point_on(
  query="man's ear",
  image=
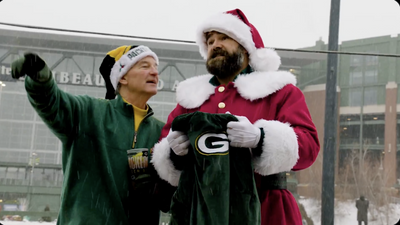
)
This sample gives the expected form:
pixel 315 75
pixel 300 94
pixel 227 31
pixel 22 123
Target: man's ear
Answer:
pixel 123 80
pixel 245 51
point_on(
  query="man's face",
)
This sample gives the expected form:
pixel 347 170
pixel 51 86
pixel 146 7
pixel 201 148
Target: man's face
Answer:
pixel 225 55
pixel 142 78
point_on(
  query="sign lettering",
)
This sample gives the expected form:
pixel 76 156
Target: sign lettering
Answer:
pixel 79 79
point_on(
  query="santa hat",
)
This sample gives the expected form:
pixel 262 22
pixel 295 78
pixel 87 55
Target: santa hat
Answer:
pixel 235 25
pixel 119 61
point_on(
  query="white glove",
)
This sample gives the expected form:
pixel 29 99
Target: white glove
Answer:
pixel 243 133
pixel 178 142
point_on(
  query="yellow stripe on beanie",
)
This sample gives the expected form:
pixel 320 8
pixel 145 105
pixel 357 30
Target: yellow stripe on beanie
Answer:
pixel 119 52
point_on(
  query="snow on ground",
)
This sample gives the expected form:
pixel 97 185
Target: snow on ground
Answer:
pixel 346 213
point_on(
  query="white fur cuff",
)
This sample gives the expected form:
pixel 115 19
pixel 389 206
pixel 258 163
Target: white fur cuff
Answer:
pixel 280 150
pixel 163 164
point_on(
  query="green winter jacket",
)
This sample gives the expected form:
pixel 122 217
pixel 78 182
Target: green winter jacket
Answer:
pixel 95 135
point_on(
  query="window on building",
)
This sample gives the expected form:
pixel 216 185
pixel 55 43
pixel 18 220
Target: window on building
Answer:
pixel 355 78
pixel 349 134
pixel 12 173
pixel 10 58
pixel 48 158
pixel 363 70
pixel 371 140
pixel 15 107
pixel 45 139
pixel 370 96
pixel 21 173
pixel 85 63
pixel 356 60
pixel 3 52
pixel 2 172
pixel 355 96
pixel 371 60
pixel 371 76
pixel 374 130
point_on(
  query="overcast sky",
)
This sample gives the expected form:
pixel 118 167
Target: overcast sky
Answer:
pixel 281 23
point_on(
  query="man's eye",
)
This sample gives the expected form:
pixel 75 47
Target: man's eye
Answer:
pixel 210 42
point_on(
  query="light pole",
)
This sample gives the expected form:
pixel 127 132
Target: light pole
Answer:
pixel 33 160
pixel 330 126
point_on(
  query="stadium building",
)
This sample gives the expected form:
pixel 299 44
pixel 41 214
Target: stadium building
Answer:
pixel 30 155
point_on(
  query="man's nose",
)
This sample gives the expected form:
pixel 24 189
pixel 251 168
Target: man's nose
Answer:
pixel 216 44
pixel 154 70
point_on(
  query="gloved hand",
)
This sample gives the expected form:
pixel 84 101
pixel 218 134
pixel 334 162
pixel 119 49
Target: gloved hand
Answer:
pixel 178 142
pixel 31 65
pixel 243 133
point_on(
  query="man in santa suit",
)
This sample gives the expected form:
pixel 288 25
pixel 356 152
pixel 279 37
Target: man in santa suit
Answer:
pixel 273 118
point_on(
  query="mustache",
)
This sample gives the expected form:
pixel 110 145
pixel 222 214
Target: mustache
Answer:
pixel 218 52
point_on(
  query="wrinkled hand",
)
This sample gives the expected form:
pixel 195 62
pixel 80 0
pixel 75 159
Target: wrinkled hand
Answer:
pixel 178 142
pixel 31 65
pixel 243 133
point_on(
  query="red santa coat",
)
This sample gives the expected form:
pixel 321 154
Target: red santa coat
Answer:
pixel 270 100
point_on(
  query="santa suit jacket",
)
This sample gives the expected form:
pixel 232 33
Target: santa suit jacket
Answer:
pixel 271 101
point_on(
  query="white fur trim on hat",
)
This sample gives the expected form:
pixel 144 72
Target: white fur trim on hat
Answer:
pixel 125 63
pixel 262 59
pixel 280 149
pixel 228 24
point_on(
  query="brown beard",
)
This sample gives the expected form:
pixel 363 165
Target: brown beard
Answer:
pixel 227 65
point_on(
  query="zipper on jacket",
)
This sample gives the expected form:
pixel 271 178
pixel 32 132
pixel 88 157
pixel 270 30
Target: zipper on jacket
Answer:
pixel 136 132
pixel 134 138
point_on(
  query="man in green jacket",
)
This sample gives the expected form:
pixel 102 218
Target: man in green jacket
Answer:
pixel 99 187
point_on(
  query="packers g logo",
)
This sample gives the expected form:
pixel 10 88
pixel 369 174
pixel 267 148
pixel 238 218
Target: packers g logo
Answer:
pixel 212 144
